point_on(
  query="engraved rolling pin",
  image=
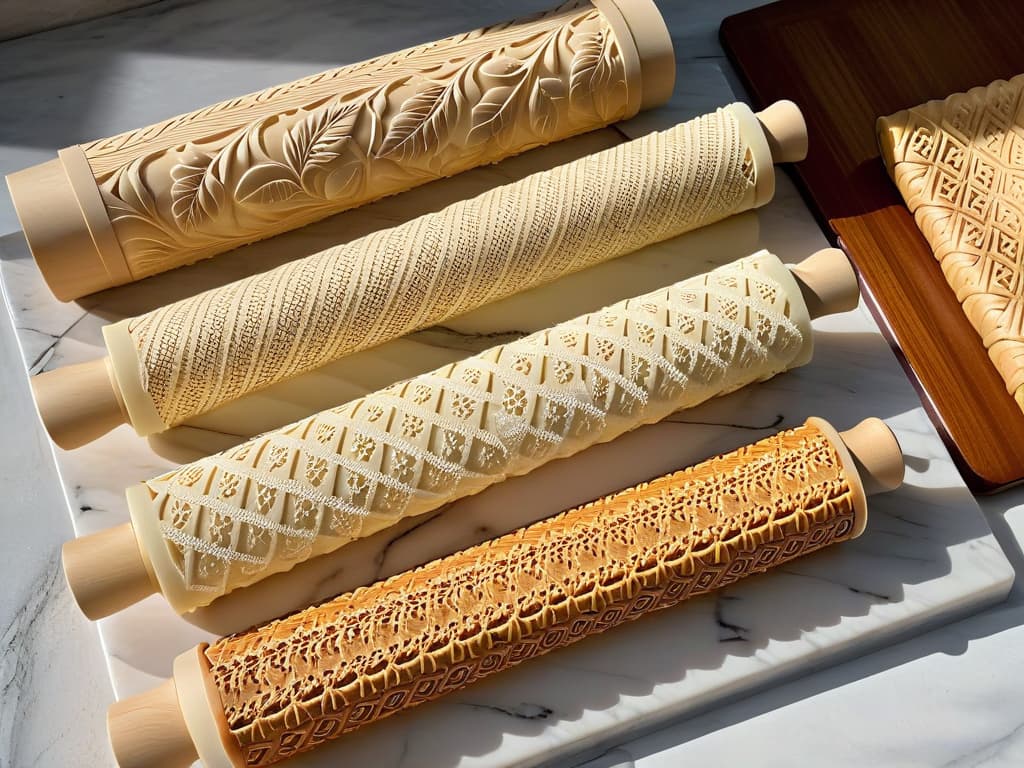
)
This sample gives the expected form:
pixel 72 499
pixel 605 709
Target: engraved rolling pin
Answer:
pixel 120 209
pixel 187 358
pixel 231 519
pixel 260 696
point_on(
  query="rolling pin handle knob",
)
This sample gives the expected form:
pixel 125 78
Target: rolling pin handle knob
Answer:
pixel 828 282
pixel 79 403
pixel 786 131
pixel 876 454
pixel 149 730
pixel 107 571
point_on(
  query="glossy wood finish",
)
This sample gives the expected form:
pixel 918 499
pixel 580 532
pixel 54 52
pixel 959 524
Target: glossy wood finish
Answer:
pixel 845 64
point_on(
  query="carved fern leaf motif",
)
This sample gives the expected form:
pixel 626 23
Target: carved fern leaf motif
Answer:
pixel 319 150
pixel 544 95
pixel 424 122
pixel 196 192
pixel 320 160
pixel 591 73
pixel 134 214
pixel 496 108
pixel 267 184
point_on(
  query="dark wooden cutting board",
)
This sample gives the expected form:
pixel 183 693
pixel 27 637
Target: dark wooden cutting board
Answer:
pixel 847 62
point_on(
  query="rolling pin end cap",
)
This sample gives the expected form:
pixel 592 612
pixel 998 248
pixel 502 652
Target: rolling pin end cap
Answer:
pixel 79 403
pixel 877 455
pixel 646 27
pixel 786 131
pixel 149 731
pixel 106 571
pixel 56 230
pixel 828 282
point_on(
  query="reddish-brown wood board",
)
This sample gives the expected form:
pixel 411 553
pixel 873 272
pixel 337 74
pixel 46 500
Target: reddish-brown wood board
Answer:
pixel 845 63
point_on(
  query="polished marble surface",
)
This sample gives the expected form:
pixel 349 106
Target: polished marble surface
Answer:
pixel 927 556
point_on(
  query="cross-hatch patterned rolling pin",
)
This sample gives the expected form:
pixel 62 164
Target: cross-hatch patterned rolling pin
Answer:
pixel 199 184
pixel 189 357
pixel 234 518
pixel 263 695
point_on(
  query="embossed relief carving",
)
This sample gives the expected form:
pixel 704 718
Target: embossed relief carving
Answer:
pixel 288 495
pixel 204 351
pixel 493 94
pixel 320 673
pixel 959 164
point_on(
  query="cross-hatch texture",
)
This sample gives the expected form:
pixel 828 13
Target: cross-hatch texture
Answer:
pixel 207 350
pixel 320 673
pixel 246 169
pixel 238 516
pixel 959 164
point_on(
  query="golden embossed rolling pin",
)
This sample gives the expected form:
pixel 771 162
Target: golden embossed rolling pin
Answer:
pixel 259 697
pixel 120 209
pixel 189 357
pixel 231 519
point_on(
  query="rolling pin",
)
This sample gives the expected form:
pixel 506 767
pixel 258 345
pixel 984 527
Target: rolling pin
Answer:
pixel 189 357
pixel 236 517
pixel 120 209
pixel 261 696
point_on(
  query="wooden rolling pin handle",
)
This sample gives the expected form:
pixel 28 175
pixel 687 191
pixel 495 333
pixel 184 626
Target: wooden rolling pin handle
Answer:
pixel 149 731
pixel 79 403
pixel 876 454
pixel 786 131
pixel 107 571
pixel 827 282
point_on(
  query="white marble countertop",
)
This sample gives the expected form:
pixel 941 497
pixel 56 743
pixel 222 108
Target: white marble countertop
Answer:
pixel 951 696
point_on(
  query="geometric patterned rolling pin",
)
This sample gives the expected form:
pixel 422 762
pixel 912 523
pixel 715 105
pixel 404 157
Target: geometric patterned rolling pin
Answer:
pixel 234 518
pixel 263 695
pixel 189 357
pixel 119 209
pixel 959 164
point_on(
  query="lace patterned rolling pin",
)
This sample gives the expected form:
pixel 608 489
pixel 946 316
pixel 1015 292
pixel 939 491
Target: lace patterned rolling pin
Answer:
pixel 120 209
pixel 259 697
pixel 191 356
pixel 236 517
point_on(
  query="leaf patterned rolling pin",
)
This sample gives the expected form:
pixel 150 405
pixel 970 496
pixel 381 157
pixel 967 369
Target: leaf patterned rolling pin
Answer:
pixel 189 357
pixel 260 508
pixel 123 208
pixel 263 695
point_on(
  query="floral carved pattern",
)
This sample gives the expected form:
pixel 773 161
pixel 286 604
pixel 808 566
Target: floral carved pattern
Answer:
pixel 548 78
pixel 326 671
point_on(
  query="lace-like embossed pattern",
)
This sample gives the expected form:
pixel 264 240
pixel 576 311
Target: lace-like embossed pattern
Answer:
pixel 249 168
pixel 317 674
pixel 207 350
pixel 233 518
pixel 959 165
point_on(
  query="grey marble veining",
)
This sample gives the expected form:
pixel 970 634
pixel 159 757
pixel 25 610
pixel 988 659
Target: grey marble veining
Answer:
pixel 53 683
pixel 927 556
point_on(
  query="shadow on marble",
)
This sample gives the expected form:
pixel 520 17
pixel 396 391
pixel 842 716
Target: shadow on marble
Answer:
pixel 195 54
pixel 953 640
pixel 1004 513
pixel 168 48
